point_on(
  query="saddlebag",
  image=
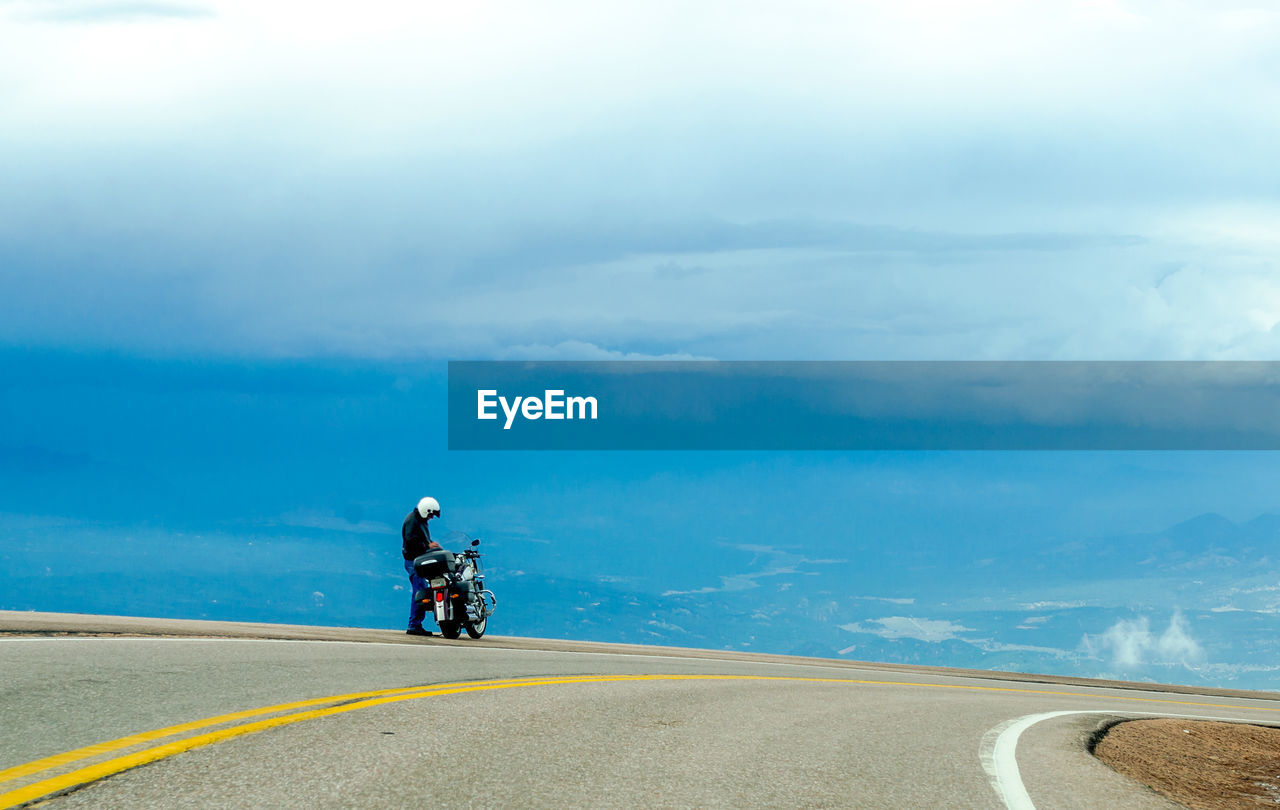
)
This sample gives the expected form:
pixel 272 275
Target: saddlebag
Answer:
pixel 434 564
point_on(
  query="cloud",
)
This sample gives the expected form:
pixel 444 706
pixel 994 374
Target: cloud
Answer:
pixel 107 11
pixel 666 626
pixel 581 350
pixel 934 631
pixel 450 183
pixel 990 645
pixel 133 281
pixel 778 563
pixel 1131 643
pixel 733 582
pixel 898 627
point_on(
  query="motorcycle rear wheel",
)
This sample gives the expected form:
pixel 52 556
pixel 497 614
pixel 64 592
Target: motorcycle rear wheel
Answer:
pixel 450 629
pixel 476 629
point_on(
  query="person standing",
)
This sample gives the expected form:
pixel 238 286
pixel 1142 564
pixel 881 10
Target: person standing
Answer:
pixel 417 541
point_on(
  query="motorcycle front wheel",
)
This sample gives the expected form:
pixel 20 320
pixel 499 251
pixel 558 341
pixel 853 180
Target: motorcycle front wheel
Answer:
pixel 450 629
pixel 476 629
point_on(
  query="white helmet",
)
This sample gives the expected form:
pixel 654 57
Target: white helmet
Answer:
pixel 428 507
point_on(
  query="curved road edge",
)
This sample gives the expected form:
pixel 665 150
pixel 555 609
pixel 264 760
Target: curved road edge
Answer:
pixel 20 623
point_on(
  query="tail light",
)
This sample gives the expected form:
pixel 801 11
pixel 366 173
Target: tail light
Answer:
pixel 439 596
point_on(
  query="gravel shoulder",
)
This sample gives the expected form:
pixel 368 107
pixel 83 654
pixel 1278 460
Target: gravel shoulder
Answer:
pixel 1203 765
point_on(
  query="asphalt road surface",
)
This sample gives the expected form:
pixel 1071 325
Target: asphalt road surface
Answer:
pixel 188 719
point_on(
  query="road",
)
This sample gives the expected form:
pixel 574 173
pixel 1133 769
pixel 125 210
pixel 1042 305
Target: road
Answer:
pixel 518 723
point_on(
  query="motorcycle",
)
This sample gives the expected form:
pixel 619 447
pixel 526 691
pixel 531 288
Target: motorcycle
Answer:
pixel 455 591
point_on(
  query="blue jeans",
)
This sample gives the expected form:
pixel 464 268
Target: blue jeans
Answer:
pixel 417 610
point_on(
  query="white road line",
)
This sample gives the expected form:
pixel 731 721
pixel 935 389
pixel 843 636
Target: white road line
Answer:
pixel 999 758
pixel 998 750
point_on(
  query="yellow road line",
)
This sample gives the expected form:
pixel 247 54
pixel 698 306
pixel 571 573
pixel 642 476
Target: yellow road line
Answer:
pixel 68 757
pixel 97 771
pixel 363 700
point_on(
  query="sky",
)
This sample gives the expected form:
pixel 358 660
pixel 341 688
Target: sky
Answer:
pixel 936 180
pixel 239 241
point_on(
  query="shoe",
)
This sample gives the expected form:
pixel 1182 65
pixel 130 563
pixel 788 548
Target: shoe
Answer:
pixel 418 631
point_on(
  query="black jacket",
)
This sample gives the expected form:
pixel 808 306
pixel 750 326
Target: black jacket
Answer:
pixel 416 536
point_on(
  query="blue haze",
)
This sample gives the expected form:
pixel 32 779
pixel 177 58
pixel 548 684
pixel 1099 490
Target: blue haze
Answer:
pixel 273 491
